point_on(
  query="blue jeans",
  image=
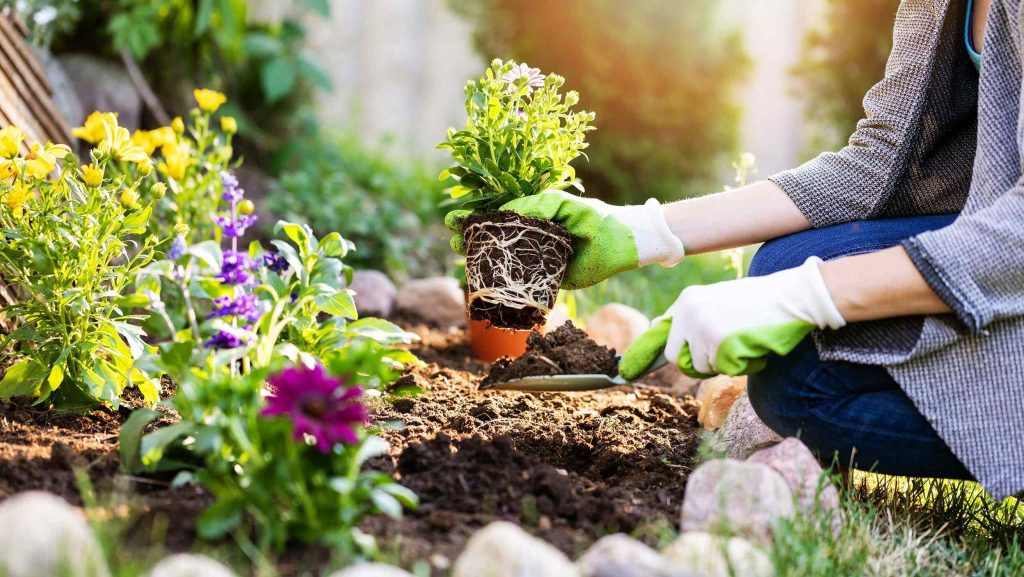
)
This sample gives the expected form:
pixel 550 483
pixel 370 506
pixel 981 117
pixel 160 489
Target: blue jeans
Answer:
pixel 855 413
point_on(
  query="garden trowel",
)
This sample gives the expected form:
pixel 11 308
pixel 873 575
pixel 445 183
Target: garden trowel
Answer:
pixel 560 383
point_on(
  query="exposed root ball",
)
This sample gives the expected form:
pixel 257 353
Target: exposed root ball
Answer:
pixel 514 266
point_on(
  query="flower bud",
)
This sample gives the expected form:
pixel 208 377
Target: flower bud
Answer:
pixel 246 207
pixel 158 190
pixel 228 124
pixel 181 229
pixel 145 167
pixel 130 198
pixel 178 125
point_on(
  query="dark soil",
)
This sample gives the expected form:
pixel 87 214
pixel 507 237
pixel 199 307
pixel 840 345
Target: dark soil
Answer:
pixel 566 351
pixel 537 255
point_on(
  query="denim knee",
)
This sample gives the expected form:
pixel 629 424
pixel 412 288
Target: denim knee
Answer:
pixel 775 400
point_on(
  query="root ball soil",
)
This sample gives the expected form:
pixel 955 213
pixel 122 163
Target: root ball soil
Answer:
pixel 514 266
pixel 565 351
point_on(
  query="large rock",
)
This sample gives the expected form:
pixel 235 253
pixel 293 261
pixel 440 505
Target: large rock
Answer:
pixel 502 549
pixel 105 86
pixel 715 556
pixel 743 498
pixel 743 432
pixel 41 535
pixel 716 396
pixel 621 556
pixel 375 293
pixel 616 326
pixel 814 492
pixel 371 570
pixel 437 300
pixel 189 565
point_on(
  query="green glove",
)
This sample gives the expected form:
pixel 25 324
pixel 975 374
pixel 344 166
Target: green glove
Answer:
pixel 609 239
pixel 731 327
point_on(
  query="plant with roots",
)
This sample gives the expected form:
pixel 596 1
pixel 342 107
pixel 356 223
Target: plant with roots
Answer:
pixel 520 138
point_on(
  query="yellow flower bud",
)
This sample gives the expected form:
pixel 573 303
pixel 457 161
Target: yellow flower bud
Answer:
pixel 92 175
pixel 130 198
pixel 178 125
pixel 158 190
pixel 145 167
pixel 228 124
pixel 10 141
pixel 209 100
pixel 181 229
pixel 246 207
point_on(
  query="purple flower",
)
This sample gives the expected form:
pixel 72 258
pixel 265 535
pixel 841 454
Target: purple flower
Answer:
pixel 178 248
pixel 235 227
pixel 246 305
pixel 232 193
pixel 223 340
pixel 236 268
pixel 318 405
pixel 275 262
pixel 534 79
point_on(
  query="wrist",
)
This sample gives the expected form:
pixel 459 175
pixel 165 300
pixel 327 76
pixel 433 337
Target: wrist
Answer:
pixel 812 293
pixel 655 242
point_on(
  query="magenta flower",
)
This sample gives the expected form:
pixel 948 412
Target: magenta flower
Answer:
pixel 319 406
pixel 534 79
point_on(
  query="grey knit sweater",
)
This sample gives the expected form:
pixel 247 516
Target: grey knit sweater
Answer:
pixel 937 139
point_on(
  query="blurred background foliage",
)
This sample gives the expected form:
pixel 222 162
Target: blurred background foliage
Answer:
pixel 663 87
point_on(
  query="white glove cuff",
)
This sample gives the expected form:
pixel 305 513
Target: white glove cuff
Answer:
pixel 654 240
pixel 818 302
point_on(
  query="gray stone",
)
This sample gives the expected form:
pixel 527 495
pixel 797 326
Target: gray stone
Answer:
pixel 738 497
pixel 104 85
pixel 805 478
pixel 375 293
pixel 502 549
pixel 743 432
pixel 65 98
pixel 715 556
pixel 189 565
pixel 616 326
pixel 41 535
pixel 621 556
pixel 371 570
pixel 437 300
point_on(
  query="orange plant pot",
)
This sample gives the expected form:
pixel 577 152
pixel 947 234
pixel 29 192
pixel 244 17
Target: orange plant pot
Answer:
pixel 490 343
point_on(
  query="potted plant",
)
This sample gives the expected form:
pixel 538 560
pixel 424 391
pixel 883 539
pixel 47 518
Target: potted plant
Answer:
pixel 520 138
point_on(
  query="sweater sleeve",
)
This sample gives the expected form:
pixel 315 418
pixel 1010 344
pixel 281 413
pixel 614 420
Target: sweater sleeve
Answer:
pixel 847 185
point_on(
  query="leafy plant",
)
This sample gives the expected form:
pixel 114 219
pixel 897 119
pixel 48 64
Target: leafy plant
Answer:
pixel 74 239
pixel 520 137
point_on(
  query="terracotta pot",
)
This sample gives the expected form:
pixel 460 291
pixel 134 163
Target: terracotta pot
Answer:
pixel 490 343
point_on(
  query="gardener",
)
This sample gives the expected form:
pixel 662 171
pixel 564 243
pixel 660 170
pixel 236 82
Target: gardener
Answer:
pixel 902 253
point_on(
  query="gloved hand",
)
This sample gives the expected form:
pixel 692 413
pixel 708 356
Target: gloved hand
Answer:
pixel 609 239
pixel 730 327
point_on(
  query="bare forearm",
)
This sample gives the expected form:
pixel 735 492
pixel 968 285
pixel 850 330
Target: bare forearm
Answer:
pixel 879 285
pixel 739 217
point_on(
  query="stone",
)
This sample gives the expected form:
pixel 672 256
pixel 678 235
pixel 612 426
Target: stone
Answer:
pixel 743 431
pixel 558 316
pixel 375 293
pixel 616 326
pixel 806 479
pixel 41 534
pixel 437 300
pixel 736 496
pixel 502 549
pixel 189 565
pixel 716 556
pixel 716 396
pixel 619 555
pixel 371 570
pixel 104 85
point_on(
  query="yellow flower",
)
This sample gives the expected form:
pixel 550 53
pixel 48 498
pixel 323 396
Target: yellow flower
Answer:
pixel 176 161
pixel 161 136
pixel 8 169
pixel 41 160
pixel 209 100
pixel 178 125
pixel 16 198
pixel 143 140
pixel 130 198
pixel 92 131
pixel 10 141
pixel 158 190
pixel 228 124
pixel 92 175
pixel 117 142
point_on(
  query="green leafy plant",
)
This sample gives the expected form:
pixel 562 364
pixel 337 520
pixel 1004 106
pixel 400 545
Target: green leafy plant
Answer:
pixel 74 239
pixel 520 137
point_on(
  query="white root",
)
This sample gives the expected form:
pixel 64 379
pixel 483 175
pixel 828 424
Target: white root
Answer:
pixel 500 248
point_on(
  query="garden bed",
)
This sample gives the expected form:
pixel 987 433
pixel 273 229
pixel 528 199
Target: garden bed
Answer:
pixel 568 467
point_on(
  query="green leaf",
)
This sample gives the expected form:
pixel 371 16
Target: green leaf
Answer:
pixel 277 78
pixel 458 191
pixel 56 377
pixel 371 447
pixel 404 495
pixel 321 7
pixel 334 245
pixel 208 252
pixel 203 17
pixel 386 503
pixel 129 443
pixel 219 519
pixel 339 304
pixel 154 445
pixel 312 72
pixel 22 379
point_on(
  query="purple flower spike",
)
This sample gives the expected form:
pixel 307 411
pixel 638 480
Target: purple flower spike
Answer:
pixel 318 405
pixel 235 227
pixel 223 340
pixel 235 268
pixel 246 306
pixel 232 192
pixel 178 248
pixel 275 262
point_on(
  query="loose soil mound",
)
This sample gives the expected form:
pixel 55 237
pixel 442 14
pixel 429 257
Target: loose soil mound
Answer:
pixel 565 351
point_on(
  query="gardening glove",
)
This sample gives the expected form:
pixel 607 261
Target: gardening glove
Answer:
pixel 609 239
pixel 730 327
